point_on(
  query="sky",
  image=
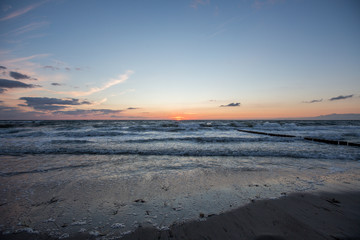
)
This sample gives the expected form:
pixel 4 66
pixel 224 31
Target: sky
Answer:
pixel 180 60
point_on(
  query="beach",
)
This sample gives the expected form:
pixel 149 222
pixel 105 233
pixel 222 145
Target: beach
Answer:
pixel 298 216
pixel 178 180
pixel 99 214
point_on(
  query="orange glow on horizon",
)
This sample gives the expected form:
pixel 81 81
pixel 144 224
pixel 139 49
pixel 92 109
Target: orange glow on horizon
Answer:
pixel 178 118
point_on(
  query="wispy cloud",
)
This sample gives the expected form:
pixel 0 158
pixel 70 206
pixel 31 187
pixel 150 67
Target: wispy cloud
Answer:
pixel 341 97
pixel 17 60
pixel 231 105
pixel 27 28
pixel 53 68
pixel 21 11
pixel 196 3
pixel 314 101
pixel 114 81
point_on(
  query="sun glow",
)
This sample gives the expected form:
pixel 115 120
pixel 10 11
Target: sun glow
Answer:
pixel 178 118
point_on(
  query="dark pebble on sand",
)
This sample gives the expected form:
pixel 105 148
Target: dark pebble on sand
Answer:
pixel 201 215
pixel 140 200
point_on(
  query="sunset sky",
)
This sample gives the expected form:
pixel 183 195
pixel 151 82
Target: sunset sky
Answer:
pixel 185 59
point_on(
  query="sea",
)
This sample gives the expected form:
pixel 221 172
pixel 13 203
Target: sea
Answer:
pixel 179 138
pixel 109 177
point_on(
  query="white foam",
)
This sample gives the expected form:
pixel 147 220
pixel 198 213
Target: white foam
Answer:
pixel 118 225
pixel 65 235
pixel 95 233
pixel 78 223
pixel 27 230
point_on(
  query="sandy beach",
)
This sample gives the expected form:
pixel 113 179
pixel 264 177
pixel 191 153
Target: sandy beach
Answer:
pixel 276 204
pixel 297 216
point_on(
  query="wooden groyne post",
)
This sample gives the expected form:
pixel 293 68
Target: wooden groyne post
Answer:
pixel 305 138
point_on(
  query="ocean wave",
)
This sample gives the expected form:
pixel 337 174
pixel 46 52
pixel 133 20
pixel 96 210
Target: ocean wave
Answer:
pixel 210 140
pixel 69 141
pixel 90 133
pixel 188 152
pixel 29 134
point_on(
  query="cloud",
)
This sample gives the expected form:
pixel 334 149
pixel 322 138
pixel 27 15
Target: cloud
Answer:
pixel 231 105
pixel 12 113
pixel 121 78
pixel 196 3
pixel 18 75
pixel 313 101
pixel 88 112
pixel 21 11
pixel 132 108
pixel 50 67
pixel 341 97
pixel 27 28
pixel 4 83
pixel 2 90
pixel 55 84
pixel 51 104
pixel 2 67
pixel 16 60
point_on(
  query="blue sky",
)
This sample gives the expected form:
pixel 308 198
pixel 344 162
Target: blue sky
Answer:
pixel 179 59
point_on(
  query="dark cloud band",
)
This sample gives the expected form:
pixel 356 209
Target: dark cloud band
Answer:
pixel 17 75
pixel 4 83
pixel 231 105
pixel 51 104
pixel 341 97
pixel 87 112
pixel 314 101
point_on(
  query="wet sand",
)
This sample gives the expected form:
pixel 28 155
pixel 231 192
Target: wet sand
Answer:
pixel 323 215
pixel 298 216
